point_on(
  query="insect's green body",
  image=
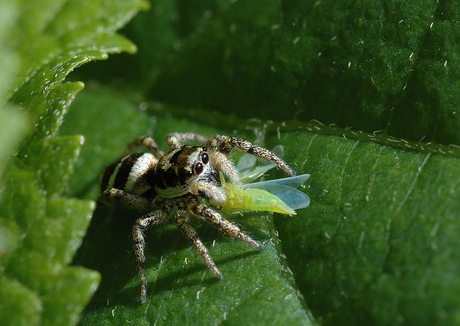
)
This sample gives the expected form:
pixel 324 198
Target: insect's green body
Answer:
pixel 242 199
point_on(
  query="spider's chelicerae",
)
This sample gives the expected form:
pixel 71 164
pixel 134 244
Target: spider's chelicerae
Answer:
pixel 158 182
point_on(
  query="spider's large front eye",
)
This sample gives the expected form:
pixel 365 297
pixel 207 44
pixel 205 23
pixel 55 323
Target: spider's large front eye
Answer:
pixel 198 168
pixel 205 158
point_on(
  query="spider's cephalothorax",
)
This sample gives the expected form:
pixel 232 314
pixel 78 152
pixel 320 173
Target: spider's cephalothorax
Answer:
pixel 158 182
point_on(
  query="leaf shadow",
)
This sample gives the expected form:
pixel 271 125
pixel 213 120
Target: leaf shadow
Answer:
pixel 107 248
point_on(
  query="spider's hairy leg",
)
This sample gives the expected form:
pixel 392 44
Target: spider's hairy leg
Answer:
pixel 120 197
pixel 147 142
pixel 190 233
pixel 223 146
pixel 152 218
pixel 174 139
pixel 215 218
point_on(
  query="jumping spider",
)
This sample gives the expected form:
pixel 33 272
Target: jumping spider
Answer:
pixel 158 182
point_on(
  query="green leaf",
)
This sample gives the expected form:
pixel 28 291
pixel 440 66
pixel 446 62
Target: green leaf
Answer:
pixel 378 244
pixel 41 43
pixel 377 240
pixel 181 288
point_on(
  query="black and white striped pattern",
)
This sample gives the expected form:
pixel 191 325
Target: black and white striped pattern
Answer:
pixel 134 174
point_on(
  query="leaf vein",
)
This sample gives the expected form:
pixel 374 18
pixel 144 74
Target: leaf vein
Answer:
pixel 409 191
pixel 344 167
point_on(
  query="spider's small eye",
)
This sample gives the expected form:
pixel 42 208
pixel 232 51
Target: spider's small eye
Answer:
pixel 205 158
pixel 198 168
pixel 170 178
pixel 185 174
pixel 170 174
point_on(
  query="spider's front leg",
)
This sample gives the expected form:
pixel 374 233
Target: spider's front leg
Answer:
pixel 147 142
pixel 190 233
pixel 215 218
pixel 221 146
pixel 152 218
pixel 174 139
pixel 120 197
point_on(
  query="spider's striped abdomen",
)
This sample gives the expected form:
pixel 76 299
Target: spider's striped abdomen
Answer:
pixel 134 174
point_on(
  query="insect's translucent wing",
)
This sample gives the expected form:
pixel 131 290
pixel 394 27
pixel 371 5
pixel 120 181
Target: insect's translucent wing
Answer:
pixel 294 181
pixel 292 197
pixel 255 173
pixel 285 189
pixel 247 161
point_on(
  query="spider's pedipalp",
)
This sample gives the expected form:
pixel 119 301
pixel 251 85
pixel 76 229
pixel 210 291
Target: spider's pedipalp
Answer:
pixel 222 162
pixel 215 194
